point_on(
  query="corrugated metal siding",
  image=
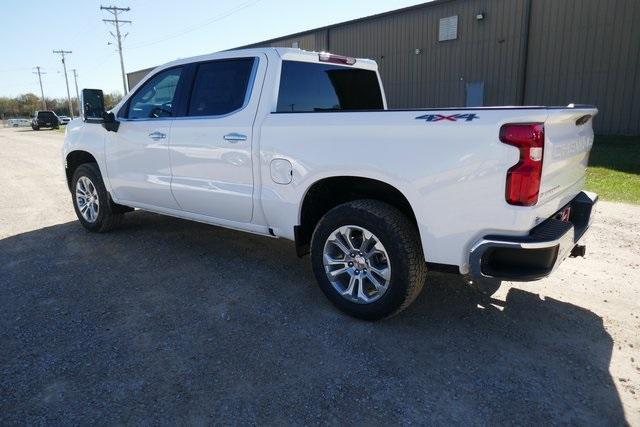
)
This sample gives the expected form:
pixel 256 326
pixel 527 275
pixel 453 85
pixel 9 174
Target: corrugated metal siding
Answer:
pixel 489 50
pixel 583 51
pixel 588 52
pixel 314 40
pixel 136 76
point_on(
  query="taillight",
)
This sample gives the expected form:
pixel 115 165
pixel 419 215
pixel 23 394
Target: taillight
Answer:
pixel 523 179
pixel 336 59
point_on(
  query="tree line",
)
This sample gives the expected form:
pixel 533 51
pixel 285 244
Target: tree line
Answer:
pixel 23 106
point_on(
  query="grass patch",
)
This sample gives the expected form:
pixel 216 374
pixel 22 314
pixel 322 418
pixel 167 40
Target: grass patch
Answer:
pixel 614 168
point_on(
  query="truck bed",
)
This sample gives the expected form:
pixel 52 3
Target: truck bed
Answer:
pixel 449 163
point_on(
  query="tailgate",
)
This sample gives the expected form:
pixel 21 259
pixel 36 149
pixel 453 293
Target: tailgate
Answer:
pixel 568 141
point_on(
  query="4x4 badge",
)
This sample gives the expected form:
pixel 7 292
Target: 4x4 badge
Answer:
pixel 451 118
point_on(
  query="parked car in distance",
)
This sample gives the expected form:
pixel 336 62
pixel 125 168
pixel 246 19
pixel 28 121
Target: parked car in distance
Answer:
pixel 300 145
pixel 45 119
pixel 18 122
pixel 64 119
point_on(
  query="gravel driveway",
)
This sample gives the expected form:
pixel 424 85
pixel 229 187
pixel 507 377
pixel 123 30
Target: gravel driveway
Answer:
pixel 164 321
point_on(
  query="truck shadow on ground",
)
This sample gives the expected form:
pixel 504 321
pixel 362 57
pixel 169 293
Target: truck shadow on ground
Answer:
pixel 170 321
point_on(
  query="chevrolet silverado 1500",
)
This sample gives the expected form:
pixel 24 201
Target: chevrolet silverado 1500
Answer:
pixel 300 145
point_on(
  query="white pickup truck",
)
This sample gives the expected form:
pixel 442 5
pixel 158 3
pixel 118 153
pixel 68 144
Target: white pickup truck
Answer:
pixel 300 145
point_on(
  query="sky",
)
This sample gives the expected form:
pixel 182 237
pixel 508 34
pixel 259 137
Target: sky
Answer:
pixel 162 30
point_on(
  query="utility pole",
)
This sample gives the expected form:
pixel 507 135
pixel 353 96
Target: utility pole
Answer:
pixel 62 52
pixel 75 78
pixel 114 10
pixel 39 73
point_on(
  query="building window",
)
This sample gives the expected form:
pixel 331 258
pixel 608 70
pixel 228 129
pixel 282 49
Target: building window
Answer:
pixel 295 45
pixel 448 29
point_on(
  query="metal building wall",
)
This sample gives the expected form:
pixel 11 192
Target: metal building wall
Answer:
pixel 535 52
pixel 489 50
pixel 314 40
pixel 134 77
pixel 587 51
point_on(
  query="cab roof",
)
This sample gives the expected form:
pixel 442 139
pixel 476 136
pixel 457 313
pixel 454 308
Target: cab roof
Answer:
pixel 285 54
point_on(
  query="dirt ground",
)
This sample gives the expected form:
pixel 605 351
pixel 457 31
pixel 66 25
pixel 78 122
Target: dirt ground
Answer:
pixel 167 321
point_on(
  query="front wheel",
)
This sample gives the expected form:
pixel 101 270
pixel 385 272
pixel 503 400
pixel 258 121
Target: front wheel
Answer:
pixel 92 204
pixel 367 259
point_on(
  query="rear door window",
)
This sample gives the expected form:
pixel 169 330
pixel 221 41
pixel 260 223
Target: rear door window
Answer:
pixel 313 87
pixel 220 87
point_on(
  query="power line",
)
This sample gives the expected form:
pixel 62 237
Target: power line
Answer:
pixel 90 25
pixel 196 27
pixel 8 70
pixel 62 52
pixel 39 72
pixel 114 10
pixel 101 63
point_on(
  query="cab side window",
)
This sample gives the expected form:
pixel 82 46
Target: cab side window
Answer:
pixel 156 98
pixel 220 87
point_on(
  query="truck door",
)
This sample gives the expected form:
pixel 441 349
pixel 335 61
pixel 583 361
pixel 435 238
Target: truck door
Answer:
pixel 210 147
pixel 138 153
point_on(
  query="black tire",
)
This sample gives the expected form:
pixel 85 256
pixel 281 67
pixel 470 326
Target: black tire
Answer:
pixel 35 128
pixel 108 215
pixel 400 239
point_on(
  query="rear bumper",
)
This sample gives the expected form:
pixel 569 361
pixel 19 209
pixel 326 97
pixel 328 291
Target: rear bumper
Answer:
pixel 532 257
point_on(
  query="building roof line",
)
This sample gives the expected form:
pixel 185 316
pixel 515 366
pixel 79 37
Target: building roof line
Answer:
pixel 352 21
pixel 428 4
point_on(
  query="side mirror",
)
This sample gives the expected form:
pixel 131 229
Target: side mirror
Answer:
pixel 93 110
pixel 92 105
pixel 109 122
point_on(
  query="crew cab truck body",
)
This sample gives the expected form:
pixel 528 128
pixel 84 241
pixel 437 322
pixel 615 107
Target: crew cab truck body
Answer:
pixel 300 145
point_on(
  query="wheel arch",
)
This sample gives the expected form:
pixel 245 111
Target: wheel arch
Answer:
pixel 329 192
pixel 74 159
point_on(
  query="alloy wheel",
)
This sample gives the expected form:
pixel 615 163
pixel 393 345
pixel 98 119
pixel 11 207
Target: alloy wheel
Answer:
pixel 357 264
pixel 87 199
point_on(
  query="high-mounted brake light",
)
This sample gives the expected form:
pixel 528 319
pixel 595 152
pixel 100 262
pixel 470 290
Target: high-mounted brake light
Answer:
pixel 336 59
pixel 523 179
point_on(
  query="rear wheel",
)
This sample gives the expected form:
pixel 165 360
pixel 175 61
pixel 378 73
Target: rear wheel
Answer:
pixel 35 128
pixel 367 259
pixel 92 203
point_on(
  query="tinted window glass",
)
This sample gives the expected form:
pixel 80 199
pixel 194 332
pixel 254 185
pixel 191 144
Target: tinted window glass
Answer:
pixel 220 87
pixel 156 97
pixel 325 87
pixel 45 115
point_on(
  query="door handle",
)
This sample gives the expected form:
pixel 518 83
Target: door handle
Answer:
pixel 157 135
pixel 235 137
